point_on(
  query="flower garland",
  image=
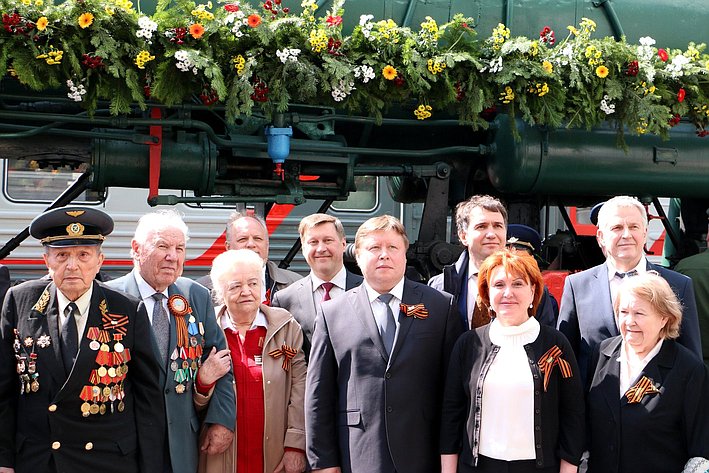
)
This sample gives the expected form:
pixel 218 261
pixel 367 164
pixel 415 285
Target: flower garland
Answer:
pixel 242 56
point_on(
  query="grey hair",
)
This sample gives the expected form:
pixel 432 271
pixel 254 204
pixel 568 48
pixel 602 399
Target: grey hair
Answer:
pixel 157 221
pixel 238 216
pixel 226 261
pixel 607 209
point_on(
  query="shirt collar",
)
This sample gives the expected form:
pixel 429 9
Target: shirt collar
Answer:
pixel 396 291
pixel 623 357
pixel 226 323
pixel 339 280
pixel 641 268
pixel 146 290
pixel 472 269
pixel 82 303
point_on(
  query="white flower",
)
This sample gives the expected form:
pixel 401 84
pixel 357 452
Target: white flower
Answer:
pixel 146 23
pixel 494 66
pixel 181 55
pixel 607 108
pixel 282 55
pixel 238 33
pixel 364 19
pixel 366 73
pixel 76 92
pixel 647 41
pixel 239 15
pixel 677 64
pixel 287 54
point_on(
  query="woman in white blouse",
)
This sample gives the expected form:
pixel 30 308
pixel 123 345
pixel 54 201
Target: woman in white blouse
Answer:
pixel 513 400
pixel 648 404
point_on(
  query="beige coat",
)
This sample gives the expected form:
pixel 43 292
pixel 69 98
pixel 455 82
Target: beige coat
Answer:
pixel 284 393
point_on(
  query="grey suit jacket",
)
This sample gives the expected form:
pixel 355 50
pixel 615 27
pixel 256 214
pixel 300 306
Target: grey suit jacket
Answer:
pixel 368 413
pixel 586 314
pixel 183 424
pixel 298 300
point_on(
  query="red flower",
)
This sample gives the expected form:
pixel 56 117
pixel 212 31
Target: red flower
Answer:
pixel 334 20
pixel 680 95
pixel 633 68
pixel 230 7
pixel 254 20
pixel 675 119
pixel 663 55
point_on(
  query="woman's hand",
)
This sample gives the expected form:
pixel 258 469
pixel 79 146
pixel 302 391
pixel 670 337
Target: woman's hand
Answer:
pixel 217 440
pixel 292 462
pixel 215 366
pixel 566 467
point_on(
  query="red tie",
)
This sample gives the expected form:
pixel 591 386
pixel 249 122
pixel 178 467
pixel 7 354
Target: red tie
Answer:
pixel 326 287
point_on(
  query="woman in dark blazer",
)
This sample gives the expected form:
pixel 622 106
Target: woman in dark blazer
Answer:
pixel 648 404
pixel 513 399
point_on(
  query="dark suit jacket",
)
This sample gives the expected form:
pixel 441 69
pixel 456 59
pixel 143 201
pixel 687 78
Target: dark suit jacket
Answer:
pixel 298 300
pixel 46 427
pixel 368 413
pixel 661 432
pixel 586 314
pixel 183 423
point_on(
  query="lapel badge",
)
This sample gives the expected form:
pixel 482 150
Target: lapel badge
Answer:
pixel 28 342
pixel 44 341
pixel 178 305
pixel 417 311
pixel 636 393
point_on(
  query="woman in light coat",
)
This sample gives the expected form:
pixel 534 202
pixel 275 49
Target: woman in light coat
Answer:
pixel 269 373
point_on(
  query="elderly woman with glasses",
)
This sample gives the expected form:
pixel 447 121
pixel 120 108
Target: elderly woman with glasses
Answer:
pixel 269 373
pixel 648 404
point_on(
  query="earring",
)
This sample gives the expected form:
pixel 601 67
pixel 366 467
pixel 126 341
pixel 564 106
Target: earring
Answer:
pixel 531 305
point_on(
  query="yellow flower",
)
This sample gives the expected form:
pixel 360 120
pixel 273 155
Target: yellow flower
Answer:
pixel 389 72
pixel 423 112
pixel 109 11
pixel 85 20
pixel 602 71
pixel 39 3
pixel 573 30
pixel 142 58
pixel 42 23
pixel 548 67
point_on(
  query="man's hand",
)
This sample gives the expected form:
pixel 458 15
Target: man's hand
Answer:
pixel 217 440
pixel 334 469
pixel 215 366
pixel 4 469
pixel 292 462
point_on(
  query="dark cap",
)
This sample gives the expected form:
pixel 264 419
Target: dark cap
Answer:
pixel 593 216
pixel 523 236
pixel 71 226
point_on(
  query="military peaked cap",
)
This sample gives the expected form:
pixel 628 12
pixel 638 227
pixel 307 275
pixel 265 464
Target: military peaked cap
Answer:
pixel 71 226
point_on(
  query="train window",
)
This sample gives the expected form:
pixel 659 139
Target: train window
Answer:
pixel 364 199
pixel 25 181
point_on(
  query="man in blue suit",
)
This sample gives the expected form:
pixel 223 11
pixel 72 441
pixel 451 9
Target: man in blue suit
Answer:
pixel 586 313
pixel 184 330
pixel 324 243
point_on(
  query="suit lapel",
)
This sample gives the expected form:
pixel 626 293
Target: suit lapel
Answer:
pixel 609 377
pixel 655 369
pixel 602 288
pixel 48 323
pixel 363 311
pixel 410 296
pixel 351 281
pixel 306 296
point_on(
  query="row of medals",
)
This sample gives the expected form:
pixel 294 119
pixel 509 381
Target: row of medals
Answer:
pixel 112 390
pixel 27 370
pixel 191 357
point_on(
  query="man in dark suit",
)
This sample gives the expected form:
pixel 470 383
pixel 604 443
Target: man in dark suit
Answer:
pixel 245 230
pixel 378 364
pixel 586 312
pixel 323 240
pixel 185 331
pixel 78 382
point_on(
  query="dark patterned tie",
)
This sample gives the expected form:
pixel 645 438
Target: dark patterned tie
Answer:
pixel 629 274
pixel 70 337
pixel 161 325
pixel 327 286
pixel 388 328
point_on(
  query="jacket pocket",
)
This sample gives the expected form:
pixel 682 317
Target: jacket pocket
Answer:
pixel 351 418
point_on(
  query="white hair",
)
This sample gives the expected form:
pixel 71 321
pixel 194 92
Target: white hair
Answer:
pixel 156 221
pixel 245 259
pixel 609 207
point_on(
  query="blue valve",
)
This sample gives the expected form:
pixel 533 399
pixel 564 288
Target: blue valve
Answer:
pixel 278 143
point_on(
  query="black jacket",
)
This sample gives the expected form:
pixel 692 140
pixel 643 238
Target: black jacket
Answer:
pixel 559 411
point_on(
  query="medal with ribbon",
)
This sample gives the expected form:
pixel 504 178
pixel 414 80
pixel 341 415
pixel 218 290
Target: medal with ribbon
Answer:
pixel 417 311
pixel 636 392
pixel 287 353
pixel 549 360
pixel 188 348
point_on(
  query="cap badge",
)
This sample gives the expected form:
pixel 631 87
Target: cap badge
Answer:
pixel 75 213
pixel 75 229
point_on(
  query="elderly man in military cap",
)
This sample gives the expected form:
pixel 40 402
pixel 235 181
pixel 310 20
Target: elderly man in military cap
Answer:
pixel 78 381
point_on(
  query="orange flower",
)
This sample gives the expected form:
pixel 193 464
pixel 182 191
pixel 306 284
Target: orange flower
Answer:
pixel 85 20
pixel 602 72
pixel 389 72
pixel 196 30
pixel 42 23
pixel 254 20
